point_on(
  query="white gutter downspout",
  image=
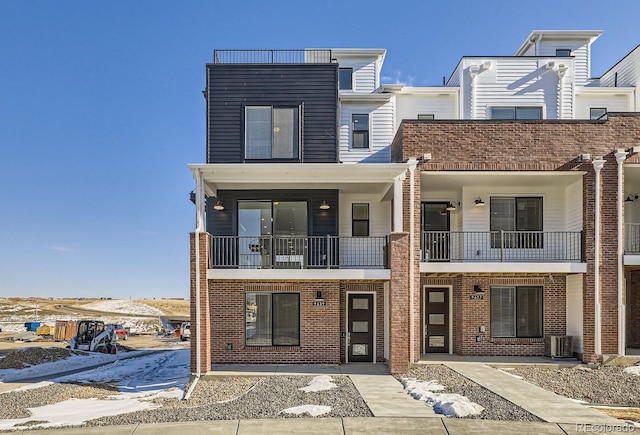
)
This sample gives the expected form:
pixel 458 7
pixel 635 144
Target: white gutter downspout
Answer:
pixel 412 243
pixel 621 156
pixel 598 163
pixel 199 230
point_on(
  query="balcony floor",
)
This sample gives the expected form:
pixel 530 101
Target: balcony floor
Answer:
pixel 299 274
pixel 498 267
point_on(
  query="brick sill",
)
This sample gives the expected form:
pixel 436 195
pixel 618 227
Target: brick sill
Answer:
pixel 272 348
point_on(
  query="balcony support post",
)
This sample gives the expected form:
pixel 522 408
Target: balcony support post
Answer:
pixel 621 156
pixel 598 163
pixel 412 245
pixel 397 202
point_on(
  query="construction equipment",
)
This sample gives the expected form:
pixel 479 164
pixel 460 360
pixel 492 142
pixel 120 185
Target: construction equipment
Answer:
pixel 94 336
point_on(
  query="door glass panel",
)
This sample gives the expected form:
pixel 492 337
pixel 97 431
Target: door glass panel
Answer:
pixel 360 349
pixel 436 319
pixel 436 341
pixel 433 218
pixel 254 227
pixel 290 233
pixel 285 133
pixel 436 297
pixel 360 304
pixel 360 326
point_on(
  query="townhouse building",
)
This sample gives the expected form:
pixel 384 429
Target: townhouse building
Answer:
pixel 342 220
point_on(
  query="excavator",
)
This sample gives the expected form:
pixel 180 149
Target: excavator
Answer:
pixel 94 336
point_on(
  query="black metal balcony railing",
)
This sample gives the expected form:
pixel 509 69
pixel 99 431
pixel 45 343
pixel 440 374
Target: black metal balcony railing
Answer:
pixel 632 239
pixel 502 246
pixel 298 252
pixel 272 56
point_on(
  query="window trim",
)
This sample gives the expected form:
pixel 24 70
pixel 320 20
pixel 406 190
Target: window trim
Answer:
pixel 353 131
pixel 515 288
pixel 515 113
pixel 297 147
pixel 367 220
pixel 340 88
pixel 599 118
pixel 271 294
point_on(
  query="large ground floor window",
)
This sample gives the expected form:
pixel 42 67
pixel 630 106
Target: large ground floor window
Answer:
pixel 516 312
pixel 272 319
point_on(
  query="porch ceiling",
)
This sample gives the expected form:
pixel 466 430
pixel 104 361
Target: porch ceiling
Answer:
pixel 454 180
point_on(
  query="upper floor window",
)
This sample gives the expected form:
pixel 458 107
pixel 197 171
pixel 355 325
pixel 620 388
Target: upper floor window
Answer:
pixel 345 78
pixel 426 116
pixel 360 131
pixel 516 113
pixel 272 132
pixel 360 219
pixel 598 113
pixel 563 52
pixel 516 222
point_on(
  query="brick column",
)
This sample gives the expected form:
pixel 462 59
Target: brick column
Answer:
pixel 399 303
pixel 203 333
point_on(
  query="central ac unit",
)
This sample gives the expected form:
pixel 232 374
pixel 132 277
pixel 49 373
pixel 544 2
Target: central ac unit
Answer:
pixel 558 346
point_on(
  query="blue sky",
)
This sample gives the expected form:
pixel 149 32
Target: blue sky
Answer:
pixel 101 110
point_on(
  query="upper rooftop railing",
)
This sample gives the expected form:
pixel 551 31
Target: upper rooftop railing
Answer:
pixel 272 56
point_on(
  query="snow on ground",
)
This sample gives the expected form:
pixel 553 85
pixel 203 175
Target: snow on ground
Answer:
pixel 140 380
pixel 319 383
pixel 313 410
pixel 124 306
pixel 443 403
pixel 634 370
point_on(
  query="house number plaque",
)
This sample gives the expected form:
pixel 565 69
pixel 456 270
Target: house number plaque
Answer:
pixel 319 303
pixel 476 297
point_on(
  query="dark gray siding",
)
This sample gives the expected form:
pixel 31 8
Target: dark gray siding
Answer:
pixel 321 222
pixel 230 87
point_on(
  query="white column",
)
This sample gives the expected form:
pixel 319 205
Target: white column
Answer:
pixel 398 202
pixel 598 163
pixel 621 156
pixel 412 244
pixel 200 205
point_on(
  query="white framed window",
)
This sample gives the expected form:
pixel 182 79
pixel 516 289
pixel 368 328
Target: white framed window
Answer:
pixel 345 79
pixel 360 219
pixel 598 113
pixel 516 112
pixel 426 117
pixel 360 131
pixel 272 132
pixel 516 312
pixel 272 319
pixel 563 52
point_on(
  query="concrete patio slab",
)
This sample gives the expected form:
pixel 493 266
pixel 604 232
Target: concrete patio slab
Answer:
pixel 386 397
pixel 493 427
pixel 218 427
pixel 311 426
pixel 393 425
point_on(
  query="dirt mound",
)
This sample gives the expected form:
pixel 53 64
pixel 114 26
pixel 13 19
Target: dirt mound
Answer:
pixel 29 356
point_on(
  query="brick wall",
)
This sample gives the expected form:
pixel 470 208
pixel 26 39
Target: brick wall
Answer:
pixel 202 334
pixel 399 303
pixel 633 307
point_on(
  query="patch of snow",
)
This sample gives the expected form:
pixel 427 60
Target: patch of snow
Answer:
pixel 634 370
pixel 312 410
pixel 319 383
pixel 124 306
pixel 32 386
pixel 443 403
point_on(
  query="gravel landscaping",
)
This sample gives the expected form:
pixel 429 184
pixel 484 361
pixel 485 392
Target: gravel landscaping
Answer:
pixel 495 407
pixel 606 385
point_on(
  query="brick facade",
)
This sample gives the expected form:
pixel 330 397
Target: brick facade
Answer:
pixel 203 332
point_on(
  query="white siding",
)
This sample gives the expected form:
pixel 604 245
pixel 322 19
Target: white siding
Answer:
pixel 612 102
pixel 574 310
pixel 573 207
pixel 379 214
pixel 365 76
pixel 579 51
pixel 628 70
pixel 381 132
pixel 408 106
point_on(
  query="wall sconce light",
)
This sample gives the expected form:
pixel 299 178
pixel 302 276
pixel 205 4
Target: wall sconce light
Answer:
pixel 219 206
pixel 192 196
pixel 324 205
pixel 319 294
pixel 631 197
pixel 453 205
pixel 477 288
pixel 479 202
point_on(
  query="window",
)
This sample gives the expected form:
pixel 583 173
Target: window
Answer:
pixel 360 131
pixel 345 78
pixel 360 220
pixel 272 132
pixel 272 319
pixel 516 312
pixel 563 52
pixel 516 113
pixel 598 113
pixel 426 116
pixel 516 222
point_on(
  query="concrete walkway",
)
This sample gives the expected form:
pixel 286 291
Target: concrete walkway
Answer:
pixel 540 402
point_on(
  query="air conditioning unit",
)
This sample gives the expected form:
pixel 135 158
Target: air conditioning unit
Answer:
pixel 558 346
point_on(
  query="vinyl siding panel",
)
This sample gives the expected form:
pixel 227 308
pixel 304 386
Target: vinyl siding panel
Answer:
pixel 381 132
pixel 231 87
pixel 364 74
pixel 613 103
pixel 379 214
pixel 574 310
pixel 441 106
pixel 573 206
pixel 628 70
pixel 579 52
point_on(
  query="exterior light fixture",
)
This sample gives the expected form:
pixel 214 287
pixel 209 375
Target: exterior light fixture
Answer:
pixel 477 288
pixel 324 205
pixel 479 202
pixel 219 206
pixel 452 206
pixel 631 197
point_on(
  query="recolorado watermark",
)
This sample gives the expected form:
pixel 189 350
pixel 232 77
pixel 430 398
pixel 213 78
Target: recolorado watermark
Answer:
pixel 606 428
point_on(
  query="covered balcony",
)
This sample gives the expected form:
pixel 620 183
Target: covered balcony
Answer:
pixel 502 222
pixel 632 214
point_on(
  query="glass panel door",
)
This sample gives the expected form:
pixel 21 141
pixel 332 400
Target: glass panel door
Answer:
pixel 290 234
pixel 254 234
pixel 435 223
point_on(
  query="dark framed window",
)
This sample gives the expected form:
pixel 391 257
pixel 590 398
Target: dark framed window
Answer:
pixel 598 113
pixel 360 131
pixel 516 222
pixel 360 219
pixel 516 312
pixel 272 319
pixel 426 116
pixel 272 133
pixel 345 78
pixel 516 113
pixel 563 52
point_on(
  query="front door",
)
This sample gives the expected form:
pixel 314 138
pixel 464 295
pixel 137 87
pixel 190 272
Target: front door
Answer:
pixel 436 320
pixel 360 332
